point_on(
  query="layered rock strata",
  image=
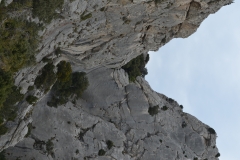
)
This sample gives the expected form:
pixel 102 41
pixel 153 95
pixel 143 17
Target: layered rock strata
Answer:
pixel 98 37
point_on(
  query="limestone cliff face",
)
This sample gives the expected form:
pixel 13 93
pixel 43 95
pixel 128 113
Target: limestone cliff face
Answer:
pixel 98 37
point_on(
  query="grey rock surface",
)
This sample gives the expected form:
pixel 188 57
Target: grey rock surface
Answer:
pixel 112 108
pixel 108 112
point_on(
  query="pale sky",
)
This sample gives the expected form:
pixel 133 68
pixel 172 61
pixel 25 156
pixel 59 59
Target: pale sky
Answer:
pixel 202 72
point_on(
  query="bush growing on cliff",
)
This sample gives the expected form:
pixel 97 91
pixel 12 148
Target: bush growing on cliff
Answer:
pixel 45 10
pixel 3 129
pixel 19 37
pixel 79 83
pixel 6 83
pixel 9 109
pixel 49 147
pixel 85 16
pixel 157 1
pixel 217 155
pixel 31 99
pixel 109 144
pixel 68 84
pixel 136 67
pixel 101 152
pixel 19 5
pixel 211 131
pixel 13 6
pixel 76 85
pixel 64 71
pixel 164 108
pixel 2 155
pixel 18 42
pixel 57 51
pixel 30 88
pixel 47 78
pixel 153 110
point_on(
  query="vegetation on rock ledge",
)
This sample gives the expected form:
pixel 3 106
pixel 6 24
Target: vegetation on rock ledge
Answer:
pixel 47 78
pixel 8 110
pixel 153 110
pixel 136 67
pixel 31 99
pixel 68 84
pixel 2 155
pixel 45 10
pixel 18 42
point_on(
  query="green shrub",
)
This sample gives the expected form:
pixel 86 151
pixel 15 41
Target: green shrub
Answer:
pixel 15 6
pixel 19 5
pixel 57 51
pixel 46 60
pixel 101 152
pixel 45 10
pixel 64 71
pixel 76 85
pixel 2 155
pixel 55 101
pixel 184 124
pixel 217 155
pixel 19 37
pixel 84 17
pixel 3 129
pixel 147 59
pixel 47 78
pixel 136 67
pixel 18 41
pixel 157 1
pixel 102 9
pixel 126 20
pixel 31 99
pixel 6 83
pixel 109 144
pixel 30 88
pixel 79 83
pixel 1 120
pixel 49 147
pixel 30 127
pixel 81 134
pixel 164 108
pixel 211 131
pixel 9 108
pixel 170 100
pixel 153 110
pixel 3 10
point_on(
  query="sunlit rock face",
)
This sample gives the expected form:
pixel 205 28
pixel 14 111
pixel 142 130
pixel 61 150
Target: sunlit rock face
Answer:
pixel 112 120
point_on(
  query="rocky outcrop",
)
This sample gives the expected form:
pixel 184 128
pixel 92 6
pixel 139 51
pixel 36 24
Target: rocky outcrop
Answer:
pixel 119 114
pixel 98 37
